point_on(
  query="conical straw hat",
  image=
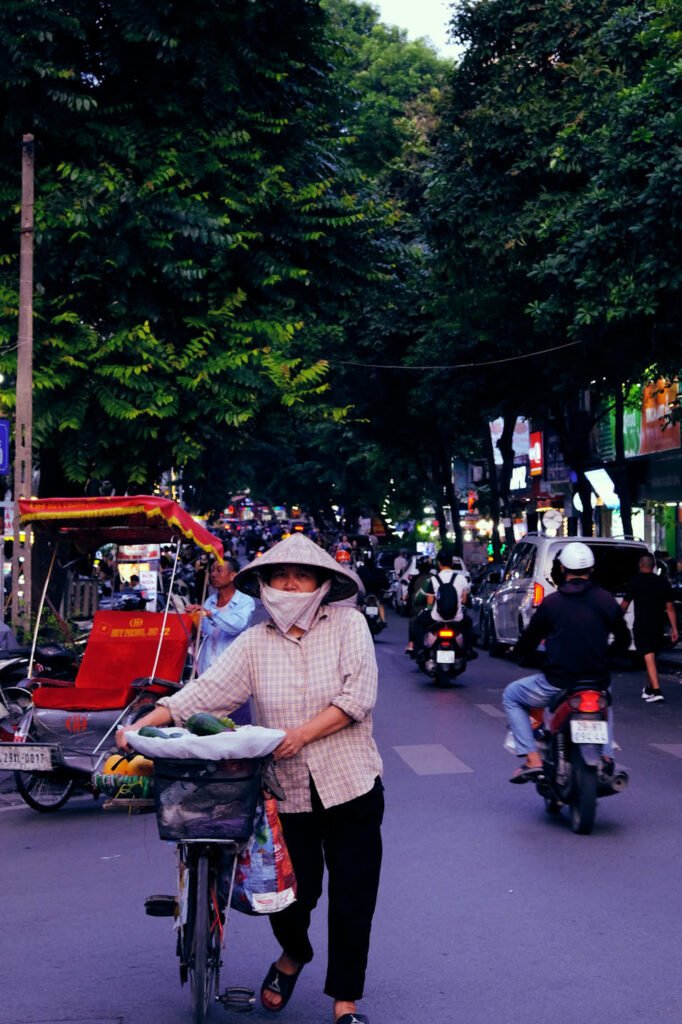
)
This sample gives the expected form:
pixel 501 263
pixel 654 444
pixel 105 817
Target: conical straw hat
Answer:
pixel 298 550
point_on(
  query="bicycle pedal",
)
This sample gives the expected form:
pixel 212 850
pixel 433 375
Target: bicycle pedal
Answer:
pixel 161 906
pixel 241 1000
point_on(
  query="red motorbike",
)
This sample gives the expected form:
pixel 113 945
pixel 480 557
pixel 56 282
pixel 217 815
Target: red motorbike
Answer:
pixel 573 744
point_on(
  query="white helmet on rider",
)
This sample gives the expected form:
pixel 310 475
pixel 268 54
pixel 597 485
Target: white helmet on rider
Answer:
pixel 577 557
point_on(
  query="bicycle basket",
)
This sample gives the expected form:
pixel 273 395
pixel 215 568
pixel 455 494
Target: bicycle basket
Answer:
pixel 198 799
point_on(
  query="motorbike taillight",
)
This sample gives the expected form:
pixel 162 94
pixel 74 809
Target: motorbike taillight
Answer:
pixel 446 634
pixel 589 701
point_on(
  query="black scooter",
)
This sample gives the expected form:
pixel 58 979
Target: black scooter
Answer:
pixel 442 656
pixel 50 661
pixel 372 612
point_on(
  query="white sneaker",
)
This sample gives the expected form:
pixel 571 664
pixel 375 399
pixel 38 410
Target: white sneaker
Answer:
pixel 655 698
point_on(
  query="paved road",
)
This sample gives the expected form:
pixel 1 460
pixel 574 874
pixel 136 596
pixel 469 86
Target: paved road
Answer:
pixel 489 911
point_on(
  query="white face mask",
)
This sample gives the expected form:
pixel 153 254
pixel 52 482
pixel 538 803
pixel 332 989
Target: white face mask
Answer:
pixel 289 608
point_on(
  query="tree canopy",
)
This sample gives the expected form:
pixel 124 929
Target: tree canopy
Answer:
pixel 257 223
pixel 191 206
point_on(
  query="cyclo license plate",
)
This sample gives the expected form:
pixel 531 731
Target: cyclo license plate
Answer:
pixel 445 657
pixel 26 757
pixel 589 731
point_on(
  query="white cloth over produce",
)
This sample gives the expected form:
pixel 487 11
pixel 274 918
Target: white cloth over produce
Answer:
pixel 245 741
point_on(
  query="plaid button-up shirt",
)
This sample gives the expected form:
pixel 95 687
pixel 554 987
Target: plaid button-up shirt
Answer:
pixel 290 681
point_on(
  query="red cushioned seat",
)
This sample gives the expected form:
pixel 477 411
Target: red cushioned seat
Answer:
pixel 122 647
pixel 82 698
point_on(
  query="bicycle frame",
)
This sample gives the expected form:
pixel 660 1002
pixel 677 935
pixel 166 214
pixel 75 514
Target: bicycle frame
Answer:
pixel 202 907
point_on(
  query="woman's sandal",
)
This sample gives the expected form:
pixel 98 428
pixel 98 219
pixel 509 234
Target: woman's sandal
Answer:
pixel 352 1018
pixel 280 984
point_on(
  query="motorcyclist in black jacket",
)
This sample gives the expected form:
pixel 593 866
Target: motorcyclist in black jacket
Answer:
pixel 575 622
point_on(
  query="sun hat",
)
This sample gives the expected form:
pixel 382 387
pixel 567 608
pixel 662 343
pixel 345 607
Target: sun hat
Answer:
pixel 298 549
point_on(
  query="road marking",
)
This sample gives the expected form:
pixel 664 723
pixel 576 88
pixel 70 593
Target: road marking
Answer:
pixel 432 759
pixel 490 709
pixel 78 1020
pixel 669 748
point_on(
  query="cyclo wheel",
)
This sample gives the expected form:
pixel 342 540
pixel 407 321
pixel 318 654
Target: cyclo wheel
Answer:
pixel 583 798
pixel 44 792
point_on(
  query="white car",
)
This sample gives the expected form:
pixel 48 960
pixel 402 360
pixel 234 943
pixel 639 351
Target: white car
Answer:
pixel 528 579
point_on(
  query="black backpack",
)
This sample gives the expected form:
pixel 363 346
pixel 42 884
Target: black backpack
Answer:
pixel 447 599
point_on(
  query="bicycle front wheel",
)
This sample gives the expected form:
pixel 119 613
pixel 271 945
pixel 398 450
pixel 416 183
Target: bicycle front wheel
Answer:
pixel 206 948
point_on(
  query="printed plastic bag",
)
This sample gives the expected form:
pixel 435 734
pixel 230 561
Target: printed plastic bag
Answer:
pixel 264 879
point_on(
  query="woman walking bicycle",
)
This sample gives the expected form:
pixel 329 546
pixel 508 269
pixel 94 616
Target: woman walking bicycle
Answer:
pixel 311 671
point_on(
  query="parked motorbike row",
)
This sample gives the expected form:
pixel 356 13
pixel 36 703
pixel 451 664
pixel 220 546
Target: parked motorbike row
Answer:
pixel 51 661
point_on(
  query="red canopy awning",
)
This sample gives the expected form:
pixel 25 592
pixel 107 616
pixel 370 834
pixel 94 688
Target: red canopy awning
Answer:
pixel 137 519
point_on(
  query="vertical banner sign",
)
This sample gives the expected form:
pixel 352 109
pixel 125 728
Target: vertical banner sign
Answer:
pixel 4 447
pixel 535 453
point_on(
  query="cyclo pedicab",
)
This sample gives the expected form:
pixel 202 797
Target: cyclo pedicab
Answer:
pixel 206 788
pixel 130 660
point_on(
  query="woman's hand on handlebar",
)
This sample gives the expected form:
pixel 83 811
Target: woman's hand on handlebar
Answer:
pixel 121 741
pixel 159 716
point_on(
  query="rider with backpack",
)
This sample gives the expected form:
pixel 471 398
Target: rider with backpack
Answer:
pixel 446 594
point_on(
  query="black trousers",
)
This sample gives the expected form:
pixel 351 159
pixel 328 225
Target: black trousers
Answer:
pixel 348 839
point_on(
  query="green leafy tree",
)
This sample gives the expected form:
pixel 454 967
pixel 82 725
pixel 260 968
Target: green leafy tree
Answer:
pixel 536 85
pixel 189 197
pixel 613 273
pixel 382 79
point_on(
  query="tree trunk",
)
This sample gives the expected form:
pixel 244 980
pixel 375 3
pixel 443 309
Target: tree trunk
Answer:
pixel 447 495
pixel 506 447
pixel 621 472
pixel 494 491
pixel 585 492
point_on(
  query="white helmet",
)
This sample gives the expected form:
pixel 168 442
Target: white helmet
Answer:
pixel 577 557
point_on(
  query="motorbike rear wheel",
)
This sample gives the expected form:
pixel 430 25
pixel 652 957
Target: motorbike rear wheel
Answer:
pixel 43 792
pixel 583 798
pixel 442 677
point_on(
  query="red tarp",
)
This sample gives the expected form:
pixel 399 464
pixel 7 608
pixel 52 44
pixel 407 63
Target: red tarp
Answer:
pixel 138 519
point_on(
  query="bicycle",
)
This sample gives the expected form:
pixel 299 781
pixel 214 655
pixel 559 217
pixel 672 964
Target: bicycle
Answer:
pixel 207 850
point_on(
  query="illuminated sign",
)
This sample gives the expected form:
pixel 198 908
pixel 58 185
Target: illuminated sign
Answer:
pixel 519 478
pixel 535 453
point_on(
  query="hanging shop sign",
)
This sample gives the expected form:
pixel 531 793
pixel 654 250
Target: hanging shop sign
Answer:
pixel 535 453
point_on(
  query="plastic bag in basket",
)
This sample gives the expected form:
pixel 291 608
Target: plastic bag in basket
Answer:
pixel 244 741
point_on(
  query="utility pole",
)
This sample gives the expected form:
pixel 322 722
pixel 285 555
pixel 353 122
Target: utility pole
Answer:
pixel 23 446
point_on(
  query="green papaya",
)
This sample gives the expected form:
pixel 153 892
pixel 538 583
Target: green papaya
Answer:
pixel 203 724
pixel 159 734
